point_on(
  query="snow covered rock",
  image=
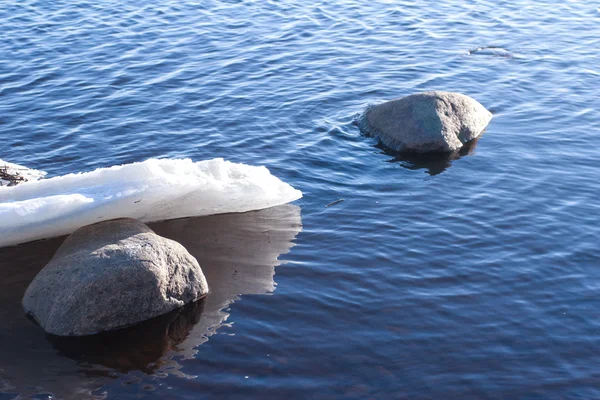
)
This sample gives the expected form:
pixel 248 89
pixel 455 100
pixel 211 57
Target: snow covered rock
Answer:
pixel 153 190
pixel 430 121
pixel 110 275
pixel 13 174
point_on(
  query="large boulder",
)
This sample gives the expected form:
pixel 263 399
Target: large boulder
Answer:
pixel 111 275
pixel 430 121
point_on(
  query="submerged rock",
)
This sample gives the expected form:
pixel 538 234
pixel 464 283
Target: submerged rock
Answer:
pixel 111 275
pixel 430 121
pixel 491 51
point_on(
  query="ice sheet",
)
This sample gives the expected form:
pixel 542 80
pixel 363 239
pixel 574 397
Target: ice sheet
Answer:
pixel 152 190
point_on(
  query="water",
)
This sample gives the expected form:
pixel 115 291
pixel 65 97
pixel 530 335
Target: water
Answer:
pixel 467 278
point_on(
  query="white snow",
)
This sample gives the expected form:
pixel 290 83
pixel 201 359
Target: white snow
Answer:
pixel 16 169
pixel 152 190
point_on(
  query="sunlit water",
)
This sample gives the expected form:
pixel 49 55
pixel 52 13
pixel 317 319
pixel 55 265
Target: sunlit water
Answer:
pixel 452 278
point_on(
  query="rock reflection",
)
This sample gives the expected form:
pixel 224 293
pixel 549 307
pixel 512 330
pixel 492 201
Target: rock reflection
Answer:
pixel 433 163
pixel 238 254
pixel 134 348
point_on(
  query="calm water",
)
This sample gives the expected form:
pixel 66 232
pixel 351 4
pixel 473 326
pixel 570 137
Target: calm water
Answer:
pixel 468 278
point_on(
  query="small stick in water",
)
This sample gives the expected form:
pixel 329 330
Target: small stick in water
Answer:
pixel 334 203
pixel 12 178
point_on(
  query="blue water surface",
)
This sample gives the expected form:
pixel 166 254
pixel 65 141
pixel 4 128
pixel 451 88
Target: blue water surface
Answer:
pixel 447 278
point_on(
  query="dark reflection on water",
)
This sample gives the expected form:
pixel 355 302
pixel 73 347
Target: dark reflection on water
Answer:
pixel 433 163
pixel 238 254
pixel 134 348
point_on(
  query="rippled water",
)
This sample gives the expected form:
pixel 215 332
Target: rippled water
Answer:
pixel 467 278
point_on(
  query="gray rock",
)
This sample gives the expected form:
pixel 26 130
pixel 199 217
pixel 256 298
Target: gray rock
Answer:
pixel 111 275
pixel 430 121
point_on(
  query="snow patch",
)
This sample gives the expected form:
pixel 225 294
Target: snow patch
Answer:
pixel 153 190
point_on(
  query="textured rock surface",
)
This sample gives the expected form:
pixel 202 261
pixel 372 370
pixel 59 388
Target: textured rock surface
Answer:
pixel 110 275
pixel 430 121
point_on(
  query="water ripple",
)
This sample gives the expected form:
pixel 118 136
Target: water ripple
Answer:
pixel 467 277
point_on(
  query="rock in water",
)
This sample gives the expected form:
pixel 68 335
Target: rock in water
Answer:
pixel 430 121
pixel 111 275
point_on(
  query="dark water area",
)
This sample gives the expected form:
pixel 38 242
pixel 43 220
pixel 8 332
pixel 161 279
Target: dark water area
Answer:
pixel 471 276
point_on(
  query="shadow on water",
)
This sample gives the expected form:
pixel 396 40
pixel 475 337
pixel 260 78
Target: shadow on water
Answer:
pixel 433 163
pixel 238 254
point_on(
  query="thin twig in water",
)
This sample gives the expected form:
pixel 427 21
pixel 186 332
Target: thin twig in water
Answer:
pixel 12 178
pixel 334 202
